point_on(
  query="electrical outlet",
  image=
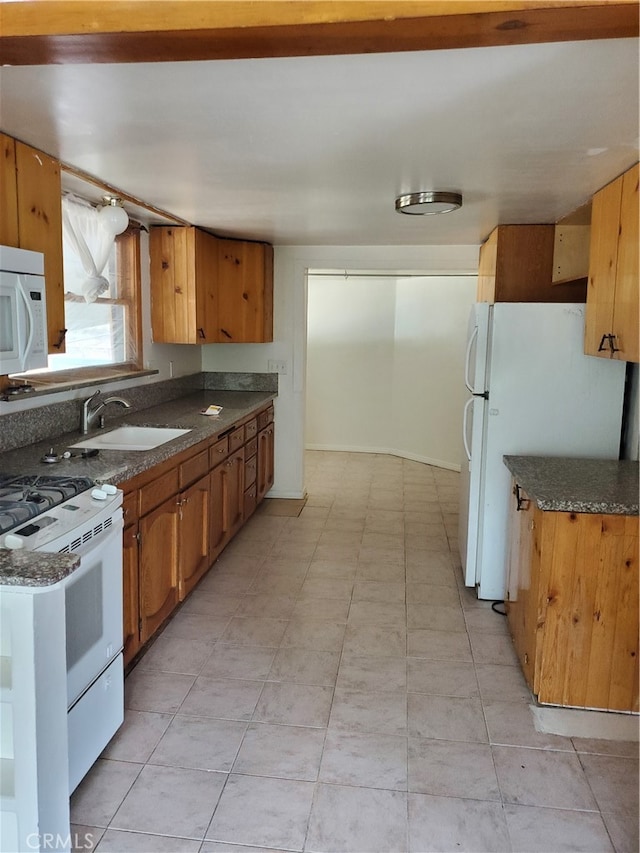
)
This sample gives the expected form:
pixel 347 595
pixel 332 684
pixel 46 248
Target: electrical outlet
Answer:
pixel 277 366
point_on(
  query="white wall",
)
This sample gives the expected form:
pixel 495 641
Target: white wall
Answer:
pixel 385 365
pixel 290 332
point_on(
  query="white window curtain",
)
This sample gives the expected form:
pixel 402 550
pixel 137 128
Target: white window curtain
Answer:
pixel 87 237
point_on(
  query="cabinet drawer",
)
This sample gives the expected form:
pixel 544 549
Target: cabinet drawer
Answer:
pixel 236 439
pixel 250 470
pixel 194 468
pixel 250 430
pixel 154 493
pixel 265 417
pixel 218 452
pixel 130 508
pixel 251 448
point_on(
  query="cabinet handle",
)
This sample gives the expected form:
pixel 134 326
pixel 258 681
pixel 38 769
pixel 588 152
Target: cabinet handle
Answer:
pixel 201 332
pixel 521 503
pixel 610 339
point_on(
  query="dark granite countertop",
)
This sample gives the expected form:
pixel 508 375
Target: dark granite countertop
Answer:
pixel 27 568
pixel 607 486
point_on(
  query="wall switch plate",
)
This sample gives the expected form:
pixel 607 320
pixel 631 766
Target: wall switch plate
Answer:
pixel 275 366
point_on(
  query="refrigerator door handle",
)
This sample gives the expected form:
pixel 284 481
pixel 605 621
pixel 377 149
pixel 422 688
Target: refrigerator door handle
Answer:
pixel 467 359
pixel 465 418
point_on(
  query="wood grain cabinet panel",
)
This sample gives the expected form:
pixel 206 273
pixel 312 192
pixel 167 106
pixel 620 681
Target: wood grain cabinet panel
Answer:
pixel 193 553
pixel 8 192
pixel 245 292
pixel 131 593
pixel 613 303
pixel 516 265
pixel 573 607
pixel 158 570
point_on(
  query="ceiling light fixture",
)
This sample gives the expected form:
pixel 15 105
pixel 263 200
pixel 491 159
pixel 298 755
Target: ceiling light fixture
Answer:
pixel 428 202
pixel 113 215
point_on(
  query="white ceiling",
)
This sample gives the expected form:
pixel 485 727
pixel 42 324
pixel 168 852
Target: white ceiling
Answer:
pixel 314 150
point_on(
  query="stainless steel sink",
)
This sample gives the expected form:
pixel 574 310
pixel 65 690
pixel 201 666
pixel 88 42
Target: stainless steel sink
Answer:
pixel 132 438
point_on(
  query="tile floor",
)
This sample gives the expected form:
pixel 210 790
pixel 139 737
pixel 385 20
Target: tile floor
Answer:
pixel 331 686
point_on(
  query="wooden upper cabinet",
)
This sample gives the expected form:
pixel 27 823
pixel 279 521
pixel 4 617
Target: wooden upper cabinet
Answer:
pixel 245 292
pixel 516 265
pixel 612 329
pixel 31 218
pixel 183 273
pixel 8 192
pixel 208 290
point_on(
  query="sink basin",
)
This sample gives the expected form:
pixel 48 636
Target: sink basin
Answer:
pixel 131 438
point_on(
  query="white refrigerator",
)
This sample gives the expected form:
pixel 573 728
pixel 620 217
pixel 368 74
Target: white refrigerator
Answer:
pixel 533 392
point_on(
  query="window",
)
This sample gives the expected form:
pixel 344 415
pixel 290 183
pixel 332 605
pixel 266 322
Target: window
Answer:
pixel 101 294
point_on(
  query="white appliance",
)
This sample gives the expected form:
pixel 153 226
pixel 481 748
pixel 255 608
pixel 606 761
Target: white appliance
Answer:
pixel 90 525
pixel 23 311
pixel 533 392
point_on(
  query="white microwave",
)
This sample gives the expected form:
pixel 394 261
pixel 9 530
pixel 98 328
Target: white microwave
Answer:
pixel 23 311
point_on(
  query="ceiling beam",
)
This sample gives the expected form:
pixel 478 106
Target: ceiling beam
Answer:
pixel 45 32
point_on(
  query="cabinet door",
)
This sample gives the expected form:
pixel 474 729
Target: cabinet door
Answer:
pixel 40 228
pixel 265 474
pixel 234 483
pixel 522 583
pixel 626 306
pixel 193 560
pixel 217 515
pixel 245 292
pixel 8 192
pixel 130 591
pixel 173 300
pixel 603 259
pixel 206 272
pixel 159 539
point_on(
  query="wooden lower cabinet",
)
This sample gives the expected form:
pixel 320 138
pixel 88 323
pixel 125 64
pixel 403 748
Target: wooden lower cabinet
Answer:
pixel 193 538
pixel 176 528
pixel 159 561
pixel 265 473
pixel 572 606
pixel 227 502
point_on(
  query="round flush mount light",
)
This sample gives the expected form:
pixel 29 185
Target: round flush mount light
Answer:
pixel 428 202
pixel 113 215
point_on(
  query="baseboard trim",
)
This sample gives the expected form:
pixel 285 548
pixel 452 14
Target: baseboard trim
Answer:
pixel 413 457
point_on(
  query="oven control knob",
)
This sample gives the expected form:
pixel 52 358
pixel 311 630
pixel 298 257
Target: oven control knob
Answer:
pixel 108 489
pixel 98 495
pixel 13 542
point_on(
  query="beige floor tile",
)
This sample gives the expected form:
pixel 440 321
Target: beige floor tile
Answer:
pixel 340 569
pixel 188 799
pixel 623 831
pixel 435 618
pixel 248 662
pixel 372 674
pixel 224 584
pixel 200 743
pixel 315 634
pixel 448 823
pixel 378 591
pixel 337 552
pixel 285 752
pixel 419 572
pixel 439 645
pixel 283 703
pixel 175 654
pixel 365 760
pixel 614 782
pixel 284 566
pixel 394 556
pixel 446 718
pixel 445 678
pixel 482 620
pixel 209 603
pixel 621 748
pixel 278 584
pixel 305 666
pixel 156 691
pixel 502 684
pixel 196 626
pixel 452 769
pixel 384 614
pixel 137 737
pixel 222 847
pixel 225 698
pixel 99 795
pixel 428 593
pixel 354 820
pixel 328 609
pixel 84 838
pixel 254 631
pixel 271 606
pixel 493 648
pixel 380 572
pixel 261 811
pixel 538 830
pixel 320 587
pixel 511 723
pixel 542 777
pixel 120 841
pixel 363 711
pixel 374 640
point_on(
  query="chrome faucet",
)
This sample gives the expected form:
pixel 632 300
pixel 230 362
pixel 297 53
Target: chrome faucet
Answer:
pixel 89 414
